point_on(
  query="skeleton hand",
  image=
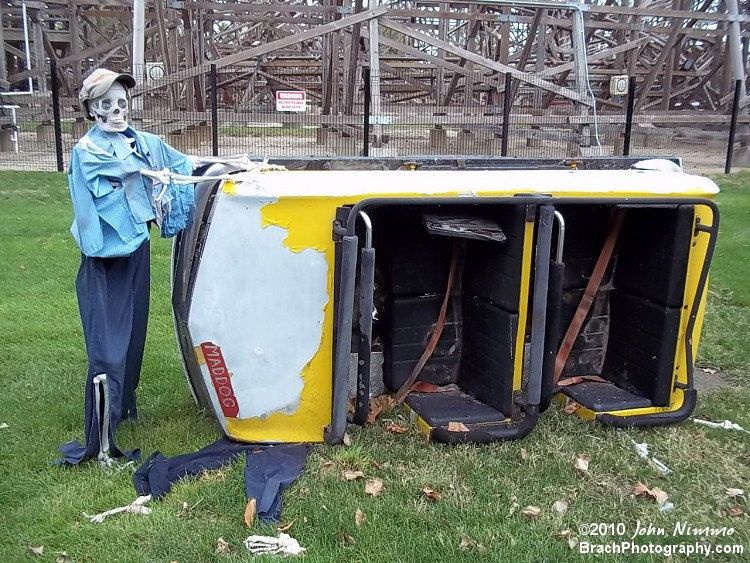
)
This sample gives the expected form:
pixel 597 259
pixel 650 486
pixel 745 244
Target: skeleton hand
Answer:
pixel 266 544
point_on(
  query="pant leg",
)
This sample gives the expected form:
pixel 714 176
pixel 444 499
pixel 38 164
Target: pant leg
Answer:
pixel 141 295
pixel 104 287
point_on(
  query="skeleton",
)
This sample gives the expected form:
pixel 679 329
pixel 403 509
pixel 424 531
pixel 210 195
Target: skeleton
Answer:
pixel 101 410
pixel 111 109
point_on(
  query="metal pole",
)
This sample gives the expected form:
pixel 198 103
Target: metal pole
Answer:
pixel 366 127
pixel 139 26
pixel 27 50
pixel 214 111
pixel 139 58
pixel 629 118
pixel 506 113
pixel 56 114
pixel 733 125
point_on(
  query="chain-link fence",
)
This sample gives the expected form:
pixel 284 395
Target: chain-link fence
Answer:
pixel 284 111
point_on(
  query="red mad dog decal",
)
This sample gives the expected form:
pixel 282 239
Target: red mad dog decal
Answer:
pixel 221 379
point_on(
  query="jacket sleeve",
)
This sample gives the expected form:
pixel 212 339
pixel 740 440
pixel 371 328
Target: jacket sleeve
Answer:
pixel 179 199
pixel 86 228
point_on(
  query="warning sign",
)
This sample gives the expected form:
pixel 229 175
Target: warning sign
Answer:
pixel 291 100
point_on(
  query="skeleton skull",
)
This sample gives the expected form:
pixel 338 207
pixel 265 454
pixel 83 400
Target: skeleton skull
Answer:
pixel 110 110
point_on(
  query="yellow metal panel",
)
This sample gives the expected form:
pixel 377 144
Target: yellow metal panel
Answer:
pixel 523 303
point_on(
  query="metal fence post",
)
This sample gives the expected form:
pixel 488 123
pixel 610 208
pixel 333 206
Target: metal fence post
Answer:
pixel 214 111
pixel 507 100
pixel 366 124
pixel 733 126
pixel 629 118
pixel 56 114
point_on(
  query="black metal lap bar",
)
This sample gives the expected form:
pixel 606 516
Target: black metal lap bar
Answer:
pixel 334 433
pixel 367 288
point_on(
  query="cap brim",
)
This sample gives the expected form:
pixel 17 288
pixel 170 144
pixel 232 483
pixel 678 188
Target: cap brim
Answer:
pixel 126 80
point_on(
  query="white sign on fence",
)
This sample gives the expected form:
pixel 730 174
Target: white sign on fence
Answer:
pixel 291 100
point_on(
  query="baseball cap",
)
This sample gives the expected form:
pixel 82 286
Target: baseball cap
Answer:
pixel 98 82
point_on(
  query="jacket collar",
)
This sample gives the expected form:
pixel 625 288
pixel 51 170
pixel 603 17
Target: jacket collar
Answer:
pixel 113 143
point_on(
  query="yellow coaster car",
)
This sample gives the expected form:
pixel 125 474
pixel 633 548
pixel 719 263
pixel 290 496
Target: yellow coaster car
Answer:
pixel 473 289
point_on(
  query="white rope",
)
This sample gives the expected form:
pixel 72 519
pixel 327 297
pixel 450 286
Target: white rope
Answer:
pixel 242 162
pixel 726 425
pixel 135 507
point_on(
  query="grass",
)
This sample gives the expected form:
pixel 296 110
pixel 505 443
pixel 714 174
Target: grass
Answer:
pixel 42 367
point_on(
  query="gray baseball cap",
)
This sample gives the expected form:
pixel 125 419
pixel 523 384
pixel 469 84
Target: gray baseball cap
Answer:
pixel 98 82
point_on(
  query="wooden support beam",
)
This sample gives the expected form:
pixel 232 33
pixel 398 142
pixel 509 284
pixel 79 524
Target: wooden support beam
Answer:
pixel 605 54
pixel 263 49
pixel 93 53
pixel 522 76
pixel 403 47
pixel 406 78
pixel 353 59
pixel 462 62
pixel 657 67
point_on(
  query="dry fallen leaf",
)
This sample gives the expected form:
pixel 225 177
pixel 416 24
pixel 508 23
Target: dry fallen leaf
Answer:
pixel 376 465
pixel 570 407
pixel 661 496
pixel 524 454
pixel 731 493
pixel 346 539
pixel 568 535
pixel 222 547
pixel 3 425
pixel 185 511
pixel 457 427
pixel 64 558
pixel 396 429
pixel 641 489
pixel 560 506
pixel 580 379
pixel 531 511
pixel 656 493
pixel 359 517
pixel 736 511
pixel 374 487
pixel 582 463
pixel 432 494
pixel 285 527
pixel 513 507
pixel 249 512
pixel 379 405
pixel 36 549
pixel 350 405
pixel 347 439
pixel 708 370
pixel 351 475
pixel 466 543
pixel 328 465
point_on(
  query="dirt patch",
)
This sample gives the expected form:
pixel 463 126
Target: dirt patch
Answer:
pixel 705 382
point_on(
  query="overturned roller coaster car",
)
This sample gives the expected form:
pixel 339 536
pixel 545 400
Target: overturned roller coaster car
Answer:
pixel 473 290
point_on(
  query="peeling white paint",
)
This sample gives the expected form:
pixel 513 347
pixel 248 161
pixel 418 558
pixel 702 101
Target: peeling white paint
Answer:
pixel 473 183
pixel 261 303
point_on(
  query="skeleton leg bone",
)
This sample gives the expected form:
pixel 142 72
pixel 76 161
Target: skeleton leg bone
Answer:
pixel 101 402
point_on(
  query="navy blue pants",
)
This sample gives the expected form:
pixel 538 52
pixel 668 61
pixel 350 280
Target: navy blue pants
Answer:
pixel 113 300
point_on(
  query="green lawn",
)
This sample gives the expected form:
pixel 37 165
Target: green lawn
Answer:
pixel 42 367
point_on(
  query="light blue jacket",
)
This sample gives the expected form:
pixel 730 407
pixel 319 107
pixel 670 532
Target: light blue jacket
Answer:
pixel 112 202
